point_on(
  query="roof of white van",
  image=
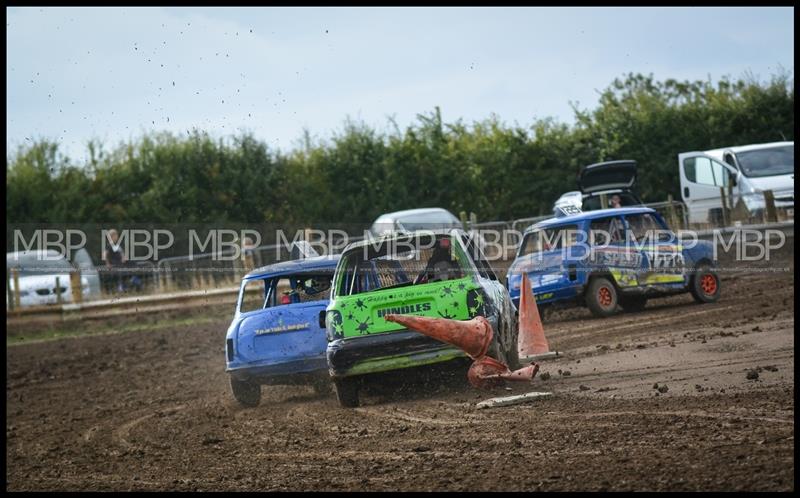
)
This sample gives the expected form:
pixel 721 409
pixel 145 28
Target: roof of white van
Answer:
pixel 743 148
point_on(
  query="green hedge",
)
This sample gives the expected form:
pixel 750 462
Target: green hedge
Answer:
pixel 496 170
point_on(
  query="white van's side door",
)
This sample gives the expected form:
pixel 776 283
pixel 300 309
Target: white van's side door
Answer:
pixel 701 177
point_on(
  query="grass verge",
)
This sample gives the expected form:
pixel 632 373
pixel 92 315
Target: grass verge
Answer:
pixel 106 327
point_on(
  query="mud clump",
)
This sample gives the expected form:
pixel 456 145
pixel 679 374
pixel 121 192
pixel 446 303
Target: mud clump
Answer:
pixel 752 375
pixel 545 376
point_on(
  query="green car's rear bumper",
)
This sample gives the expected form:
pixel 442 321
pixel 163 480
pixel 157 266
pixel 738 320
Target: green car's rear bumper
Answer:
pixel 383 352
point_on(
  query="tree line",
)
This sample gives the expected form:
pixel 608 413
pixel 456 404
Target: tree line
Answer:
pixel 498 171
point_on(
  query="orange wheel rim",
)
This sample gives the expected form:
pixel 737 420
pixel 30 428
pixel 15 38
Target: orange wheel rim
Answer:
pixel 709 284
pixel 604 296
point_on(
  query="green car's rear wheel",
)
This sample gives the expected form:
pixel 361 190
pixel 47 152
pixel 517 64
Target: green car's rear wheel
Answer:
pixel 512 348
pixel 322 387
pixel 347 391
pixel 505 348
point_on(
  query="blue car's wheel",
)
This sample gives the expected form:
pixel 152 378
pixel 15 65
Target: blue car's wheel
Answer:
pixel 705 285
pixel 246 393
pixel 601 297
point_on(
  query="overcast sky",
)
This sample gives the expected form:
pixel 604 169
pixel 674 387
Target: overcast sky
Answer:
pixel 112 74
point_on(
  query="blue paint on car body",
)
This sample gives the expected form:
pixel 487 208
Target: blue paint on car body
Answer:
pixel 278 339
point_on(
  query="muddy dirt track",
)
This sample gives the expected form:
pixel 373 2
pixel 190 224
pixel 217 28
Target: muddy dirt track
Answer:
pixel 657 400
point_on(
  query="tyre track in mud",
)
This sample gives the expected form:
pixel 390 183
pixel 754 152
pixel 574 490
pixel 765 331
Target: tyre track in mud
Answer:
pixel 152 410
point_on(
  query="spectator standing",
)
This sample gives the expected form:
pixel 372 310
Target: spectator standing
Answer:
pixel 115 259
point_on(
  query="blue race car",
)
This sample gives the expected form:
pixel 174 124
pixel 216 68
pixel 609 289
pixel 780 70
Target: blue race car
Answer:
pixel 609 258
pixel 276 336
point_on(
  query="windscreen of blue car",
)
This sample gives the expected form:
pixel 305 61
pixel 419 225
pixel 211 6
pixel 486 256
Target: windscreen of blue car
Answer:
pixel 549 239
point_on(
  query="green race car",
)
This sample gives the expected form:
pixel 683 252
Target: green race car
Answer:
pixel 438 274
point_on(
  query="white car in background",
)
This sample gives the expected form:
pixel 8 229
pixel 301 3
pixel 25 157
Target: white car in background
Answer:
pixel 411 220
pixel 38 272
pixel 748 170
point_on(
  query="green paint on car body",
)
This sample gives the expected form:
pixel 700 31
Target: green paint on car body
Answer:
pixel 363 313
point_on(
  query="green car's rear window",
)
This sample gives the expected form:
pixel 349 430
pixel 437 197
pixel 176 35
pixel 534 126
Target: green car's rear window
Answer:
pixel 401 262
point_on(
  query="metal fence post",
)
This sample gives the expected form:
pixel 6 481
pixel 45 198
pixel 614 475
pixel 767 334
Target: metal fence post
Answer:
pixel 9 293
pixel 75 286
pixel 771 212
pixel 195 277
pixel 725 214
pixel 730 196
pixel 58 290
pixel 168 278
pixel 15 272
pixel 160 278
pixel 671 212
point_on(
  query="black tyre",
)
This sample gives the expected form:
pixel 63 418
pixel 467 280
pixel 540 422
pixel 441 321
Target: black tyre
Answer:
pixel 633 304
pixel 504 347
pixel 705 285
pixel 512 349
pixel 347 392
pixel 601 297
pixel 246 393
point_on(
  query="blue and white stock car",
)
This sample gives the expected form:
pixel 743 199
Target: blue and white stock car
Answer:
pixel 609 258
pixel 276 336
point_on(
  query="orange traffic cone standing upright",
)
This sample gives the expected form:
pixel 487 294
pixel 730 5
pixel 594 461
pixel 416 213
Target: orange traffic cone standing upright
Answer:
pixel 532 342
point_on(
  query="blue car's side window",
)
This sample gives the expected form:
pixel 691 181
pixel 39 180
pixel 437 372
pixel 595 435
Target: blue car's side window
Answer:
pixel 606 231
pixel 253 295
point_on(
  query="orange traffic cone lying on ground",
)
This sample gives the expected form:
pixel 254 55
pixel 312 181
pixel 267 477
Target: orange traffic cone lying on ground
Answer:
pixel 473 337
pixel 486 372
pixel 532 341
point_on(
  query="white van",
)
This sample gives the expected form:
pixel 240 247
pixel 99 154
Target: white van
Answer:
pixel 748 169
